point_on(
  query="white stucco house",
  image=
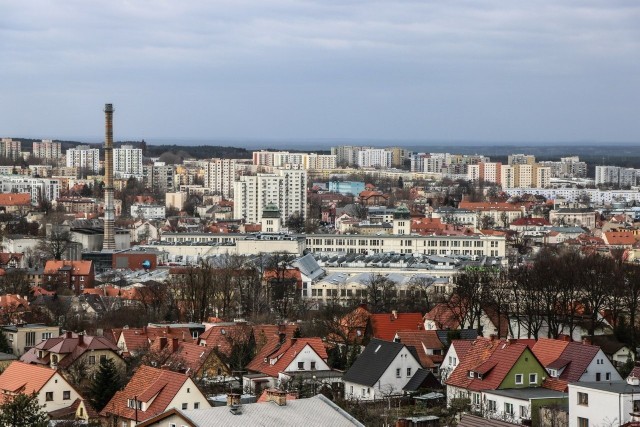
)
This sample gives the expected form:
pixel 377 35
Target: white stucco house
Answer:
pixel 604 403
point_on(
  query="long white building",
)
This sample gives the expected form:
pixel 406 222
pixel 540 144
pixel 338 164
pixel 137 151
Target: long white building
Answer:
pixel 573 194
pixel 39 188
pixel 375 157
pixel 84 157
pixel 285 188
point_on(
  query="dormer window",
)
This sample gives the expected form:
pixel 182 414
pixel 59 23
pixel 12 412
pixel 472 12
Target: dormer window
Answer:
pixel 472 374
pixel 553 373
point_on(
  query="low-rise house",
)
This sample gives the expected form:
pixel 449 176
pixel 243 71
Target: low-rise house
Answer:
pixel 74 275
pixel 23 336
pixel 567 362
pixel 18 203
pixel 617 352
pixel 385 325
pixel 53 390
pixel 151 392
pixel 427 345
pixel 604 403
pixel 457 350
pixel 13 308
pixel 132 340
pixel 383 369
pixel 282 361
pixel 73 350
pixel 12 260
pixel 317 411
pixel 493 364
pixel 521 405
pixel 230 343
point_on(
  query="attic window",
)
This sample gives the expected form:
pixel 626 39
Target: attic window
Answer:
pixel 471 374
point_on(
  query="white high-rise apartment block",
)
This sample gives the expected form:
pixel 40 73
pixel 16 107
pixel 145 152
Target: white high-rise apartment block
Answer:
pixel 47 149
pixel 286 188
pixel 322 161
pixel 607 175
pixel 375 157
pixel 347 154
pixel 84 156
pixel 10 149
pixel 219 176
pixel 127 162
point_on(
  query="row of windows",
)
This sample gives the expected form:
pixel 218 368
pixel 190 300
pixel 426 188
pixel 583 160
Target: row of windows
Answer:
pixel 48 396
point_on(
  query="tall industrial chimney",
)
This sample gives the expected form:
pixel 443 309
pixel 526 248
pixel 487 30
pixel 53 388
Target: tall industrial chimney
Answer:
pixel 109 242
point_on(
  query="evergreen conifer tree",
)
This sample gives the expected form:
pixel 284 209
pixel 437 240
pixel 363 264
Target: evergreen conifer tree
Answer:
pixel 105 384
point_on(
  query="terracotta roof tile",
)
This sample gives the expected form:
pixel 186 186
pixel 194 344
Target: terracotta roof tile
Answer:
pixel 21 377
pixel 275 356
pixel 15 199
pixel 385 325
pixel 423 341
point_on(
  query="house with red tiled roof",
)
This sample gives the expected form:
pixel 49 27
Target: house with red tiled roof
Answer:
pixel 620 239
pixel 427 345
pixel 70 350
pixel 266 333
pixel 53 390
pixel 75 275
pixel 283 360
pixel 353 327
pixel 151 392
pixel 129 340
pixel 12 260
pixel 493 364
pixel 449 316
pixel 13 308
pixel 231 344
pixel 571 361
pixel 15 202
pixel 529 224
pixel 385 325
pixel 372 198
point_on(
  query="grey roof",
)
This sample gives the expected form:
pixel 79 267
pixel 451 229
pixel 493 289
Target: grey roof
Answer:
pixel 372 362
pixel 465 334
pixel 308 266
pixel 317 411
pixel 619 387
pixel 474 421
pixel 417 379
pixel 529 393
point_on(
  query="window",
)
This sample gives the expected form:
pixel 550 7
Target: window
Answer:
pixel 607 376
pixel 533 378
pixel 301 366
pixel 583 422
pixel 364 391
pixel 30 338
pixel 636 406
pixel 493 407
pixel 553 373
pixel 66 395
pixel 598 376
pixel 49 396
pixel 583 399
pixel 476 398
pixel 92 360
pixel 508 408
pixel 351 389
pixel 408 372
pixel 523 412
pixel 185 406
pixel 46 335
pixel 398 373
pixel 196 405
pixel 103 358
pixel 313 365
pixel 519 379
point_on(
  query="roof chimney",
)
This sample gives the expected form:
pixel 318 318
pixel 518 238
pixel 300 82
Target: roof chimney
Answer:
pixel 69 334
pixel 174 344
pixel 233 399
pixel 80 338
pixel 277 396
pixel 162 342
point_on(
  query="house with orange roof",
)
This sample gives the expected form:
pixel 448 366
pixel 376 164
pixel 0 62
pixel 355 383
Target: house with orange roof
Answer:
pixel 150 392
pixel 620 238
pixel 282 361
pixel 75 275
pixel 15 202
pixel 69 350
pixel 385 325
pixel 373 198
pixel 232 344
pixel 13 308
pixel 12 260
pixel 130 340
pixel 53 390
pixel 493 364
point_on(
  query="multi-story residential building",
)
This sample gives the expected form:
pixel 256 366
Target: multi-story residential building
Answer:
pixel 541 176
pixel 74 275
pixel 613 175
pixel 47 149
pixel 84 157
pixel 39 188
pixel 398 155
pixel 219 176
pixel 567 167
pixel 159 177
pixel 322 161
pixel 148 211
pixel 581 217
pixel 10 149
pixel 485 171
pixel 127 162
pixel 286 189
pixel 374 157
pixel 347 154
pixel 521 159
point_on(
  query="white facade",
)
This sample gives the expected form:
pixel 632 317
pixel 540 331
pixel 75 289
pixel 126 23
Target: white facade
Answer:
pixel 219 176
pixel 322 161
pixel 60 392
pixel 390 383
pixel 603 404
pixel 286 189
pixel 47 149
pixel 84 156
pixel 39 188
pixel 307 360
pixel 127 162
pixel 148 211
pixel 375 157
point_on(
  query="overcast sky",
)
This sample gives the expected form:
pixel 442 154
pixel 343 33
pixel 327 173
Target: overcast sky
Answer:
pixel 505 71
